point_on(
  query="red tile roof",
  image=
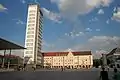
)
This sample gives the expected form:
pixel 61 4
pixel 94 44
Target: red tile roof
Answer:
pixel 54 53
pixel 66 53
pixel 82 53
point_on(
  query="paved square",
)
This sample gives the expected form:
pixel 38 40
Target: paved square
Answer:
pixel 51 75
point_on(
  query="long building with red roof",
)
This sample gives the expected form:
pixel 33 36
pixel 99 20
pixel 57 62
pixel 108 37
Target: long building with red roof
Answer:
pixel 70 59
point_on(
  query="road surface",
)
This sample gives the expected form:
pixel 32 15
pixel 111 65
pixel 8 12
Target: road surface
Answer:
pixel 51 75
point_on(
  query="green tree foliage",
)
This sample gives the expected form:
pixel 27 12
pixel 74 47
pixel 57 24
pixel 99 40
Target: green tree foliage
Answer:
pixel 108 61
pixel 12 60
pixel 97 62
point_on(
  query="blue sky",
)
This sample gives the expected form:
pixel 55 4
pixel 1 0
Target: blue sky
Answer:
pixel 75 24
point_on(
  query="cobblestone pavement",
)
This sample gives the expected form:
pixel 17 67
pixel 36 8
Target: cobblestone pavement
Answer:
pixel 92 74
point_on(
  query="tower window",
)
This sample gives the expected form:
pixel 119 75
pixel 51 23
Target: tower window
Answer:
pixel 30 36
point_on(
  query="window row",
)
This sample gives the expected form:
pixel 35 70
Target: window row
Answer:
pixel 30 32
pixel 30 36
pixel 32 11
pixel 29 52
pixel 31 14
pixel 31 18
pixel 31 21
pixel 29 40
pixel 31 28
pixel 29 25
pixel 39 46
pixel 40 37
pixel 29 44
pixel 29 48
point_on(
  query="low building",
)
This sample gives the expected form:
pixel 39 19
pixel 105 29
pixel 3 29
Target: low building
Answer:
pixel 80 59
pixel 14 60
pixel 114 57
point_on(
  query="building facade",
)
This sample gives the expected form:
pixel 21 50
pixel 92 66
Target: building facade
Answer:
pixel 82 59
pixel 33 40
pixel 114 57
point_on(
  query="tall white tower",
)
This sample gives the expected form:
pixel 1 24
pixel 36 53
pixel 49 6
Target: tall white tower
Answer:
pixel 33 39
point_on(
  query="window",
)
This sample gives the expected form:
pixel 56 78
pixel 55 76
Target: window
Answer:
pixel 30 28
pixel 30 56
pixel 29 48
pixel 31 18
pixel 29 44
pixel 31 21
pixel 39 37
pixel 32 11
pixel 29 52
pixel 31 25
pixel 29 40
pixel 30 32
pixel 30 36
pixel 31 14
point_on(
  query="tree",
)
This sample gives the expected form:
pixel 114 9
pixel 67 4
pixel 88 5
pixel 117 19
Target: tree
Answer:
pixel 97 62
pixel 108 62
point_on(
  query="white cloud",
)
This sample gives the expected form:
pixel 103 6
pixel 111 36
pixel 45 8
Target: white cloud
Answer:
pixel 93 19
pixel 104 39
pixel 108 21
pixel 98 53
pixel 88 29
pixel 73 8
pixel 2 8
pixel 97 44
pixel 45 44
pixel 100 11
pixel 73 34
pixel 54 1
pixel 97 29
pixel 101 52
pixel 102 44
pixel 36 1
pixel 116 15
pixel 52 16
pixel 66 34
pixel 23 1
pixel 80 34
pixel 114 9
pixel 18 21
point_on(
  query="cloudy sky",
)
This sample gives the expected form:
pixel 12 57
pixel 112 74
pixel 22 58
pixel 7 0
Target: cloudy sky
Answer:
pixel 68 24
